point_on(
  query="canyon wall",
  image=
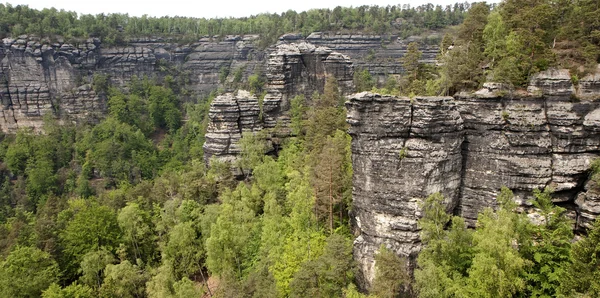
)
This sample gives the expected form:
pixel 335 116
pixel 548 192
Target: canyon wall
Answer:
pixel 467 147
pixel 39 77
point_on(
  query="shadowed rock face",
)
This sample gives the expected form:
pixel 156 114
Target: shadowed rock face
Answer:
pixel 467 148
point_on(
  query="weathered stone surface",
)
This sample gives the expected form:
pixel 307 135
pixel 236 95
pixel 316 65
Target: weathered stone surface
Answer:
pixel 402 151
pixel 49 74
pixel 230 116
pixel 589 86
pixel 293 69
pixel 300 69
pixel 588 203
pixel 380 55
pixel 467 148
pixel 37 78
pixel 552 82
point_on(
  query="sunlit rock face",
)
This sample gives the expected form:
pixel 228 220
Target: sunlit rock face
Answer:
pixel 468 147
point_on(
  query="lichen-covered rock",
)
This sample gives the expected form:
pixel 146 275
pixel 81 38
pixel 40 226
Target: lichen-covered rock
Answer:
pixel 230 116
pixel 467 148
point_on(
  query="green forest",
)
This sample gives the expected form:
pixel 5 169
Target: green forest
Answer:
pixel 117 28
pixel 128 207
pixel 505 44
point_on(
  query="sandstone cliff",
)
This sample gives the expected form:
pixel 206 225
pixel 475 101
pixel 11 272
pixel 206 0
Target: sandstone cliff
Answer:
pixel 39 77
pixel 467 148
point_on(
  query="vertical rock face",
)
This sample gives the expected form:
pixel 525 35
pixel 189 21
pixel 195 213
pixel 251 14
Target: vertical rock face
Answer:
pixel 402 151
pixel 293 69
pixel 467 148
pixel 230 116
pixel 300 69
pixel 38 77
pixel 378 54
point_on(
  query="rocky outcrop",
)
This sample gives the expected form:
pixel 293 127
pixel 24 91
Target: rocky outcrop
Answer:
pixel 230 116
pixel 293 69
pixel 300 69
pixel 467 148
pixel 402 151
pixel 378 54
pixel 39 77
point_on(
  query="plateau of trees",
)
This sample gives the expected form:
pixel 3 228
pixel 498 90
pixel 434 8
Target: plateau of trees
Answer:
pixel 116 28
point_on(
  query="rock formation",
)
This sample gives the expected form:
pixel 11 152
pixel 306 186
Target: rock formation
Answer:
pixel 467 148
pixel 293 69
pixel 38 77
pixel 375 53
pixel 300 69
pixel 230 116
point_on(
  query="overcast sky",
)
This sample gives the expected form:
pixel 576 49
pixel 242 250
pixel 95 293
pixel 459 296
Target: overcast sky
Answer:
pixel 204 8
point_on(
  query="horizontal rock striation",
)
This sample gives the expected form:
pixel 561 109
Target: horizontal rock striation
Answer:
pixel 293 69
pixel 230 115
pixel 38 77
pixel 467 148
pixel 402 150
pixel 300 69
pixel 378 54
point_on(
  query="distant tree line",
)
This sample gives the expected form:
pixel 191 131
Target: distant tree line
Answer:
pixel 402 19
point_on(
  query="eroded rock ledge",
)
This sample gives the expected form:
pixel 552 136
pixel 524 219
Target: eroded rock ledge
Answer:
pixel 467 147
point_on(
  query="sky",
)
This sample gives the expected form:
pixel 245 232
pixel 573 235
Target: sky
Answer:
pixel 207 8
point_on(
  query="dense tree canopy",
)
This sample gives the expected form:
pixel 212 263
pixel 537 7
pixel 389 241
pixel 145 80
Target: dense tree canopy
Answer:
pixel 111 28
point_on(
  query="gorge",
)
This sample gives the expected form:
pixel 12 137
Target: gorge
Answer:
pixel 465 147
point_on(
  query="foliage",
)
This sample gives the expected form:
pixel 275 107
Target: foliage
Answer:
pixel 505 256
pixel 74 290
pixel 123 280
pixel 581 274
pixel 391 276
pixel 88 227
pixel 328 274
pixel 26 272
pixel 363 80
pixel 116 28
